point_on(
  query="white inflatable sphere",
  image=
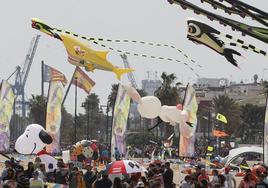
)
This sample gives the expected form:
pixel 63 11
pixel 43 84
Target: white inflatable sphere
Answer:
pixel 149 107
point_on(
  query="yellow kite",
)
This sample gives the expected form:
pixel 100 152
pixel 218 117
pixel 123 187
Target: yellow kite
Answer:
pixel 79 53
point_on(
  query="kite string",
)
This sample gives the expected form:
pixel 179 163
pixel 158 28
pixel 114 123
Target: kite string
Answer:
pixel 146 56
pixel 126 52
pixel 134 41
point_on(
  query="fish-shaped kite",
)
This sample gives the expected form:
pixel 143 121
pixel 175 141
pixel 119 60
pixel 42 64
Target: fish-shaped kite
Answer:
pixel 79 53
pixel 201 33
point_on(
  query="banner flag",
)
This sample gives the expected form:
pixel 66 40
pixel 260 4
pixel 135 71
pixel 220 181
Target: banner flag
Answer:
pixel 121 110
pixel 83 80
pixel 7 98
pixel 221 118
pixel 53 116
pixel 186 147
pixel 51 74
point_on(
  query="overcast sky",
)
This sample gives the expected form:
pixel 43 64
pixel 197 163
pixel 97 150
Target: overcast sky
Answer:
pixel 148 20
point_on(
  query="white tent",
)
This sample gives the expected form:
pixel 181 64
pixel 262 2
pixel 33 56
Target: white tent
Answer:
pixel 235 153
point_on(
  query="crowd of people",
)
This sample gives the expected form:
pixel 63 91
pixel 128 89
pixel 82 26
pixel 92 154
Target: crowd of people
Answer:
pixel 225 179
pixel 36 176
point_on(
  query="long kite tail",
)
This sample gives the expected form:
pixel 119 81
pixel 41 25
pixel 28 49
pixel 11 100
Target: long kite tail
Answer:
pixel 240 43
pixel 256 32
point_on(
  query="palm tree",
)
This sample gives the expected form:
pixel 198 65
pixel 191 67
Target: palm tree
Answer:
pixel 167 92
pixel 265 86
pixel 91 117
pixel 253 118
pixel 231 110
pixel 112 95
pixel 168 95
pixel 37 106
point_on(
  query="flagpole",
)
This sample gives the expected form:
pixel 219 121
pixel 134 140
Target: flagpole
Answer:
pixel 68 88
pixel 75 111
pixel 42 78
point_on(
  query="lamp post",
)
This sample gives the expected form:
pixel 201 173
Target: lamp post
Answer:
pixel 86 105
pixel 107 123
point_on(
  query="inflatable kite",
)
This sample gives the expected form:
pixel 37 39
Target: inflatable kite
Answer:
pixel 80 54
pixel 202 33
pixel 33 141
pixel 57 33
pixel 260 33
pixel 84 151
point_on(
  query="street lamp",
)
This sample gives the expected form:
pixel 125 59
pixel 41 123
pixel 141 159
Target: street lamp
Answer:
pixel 86 105
pixel 107 122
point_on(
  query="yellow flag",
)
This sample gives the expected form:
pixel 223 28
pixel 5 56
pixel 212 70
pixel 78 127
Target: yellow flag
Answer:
pixel 221 118
pixel 210 148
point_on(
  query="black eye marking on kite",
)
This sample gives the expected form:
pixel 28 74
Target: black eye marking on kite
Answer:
pixel 193 29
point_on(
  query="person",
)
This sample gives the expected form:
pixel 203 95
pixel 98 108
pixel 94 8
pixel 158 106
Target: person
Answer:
pixel 229 177
pixel 35 181
pixel 247 181
pixel 104 182
pixel 145 181
pixel 158 177
pixel 80 180
pixel 10 179
pixel 168 176
pixel 73 180
pixel 203 176
pixel 262 183
pixel 222 181
pixel 105 156
pixel 21 178
pixel 89 176
pixel 186 183
pixel 195 176
pixel 4 173
pixel 116 154
pixel 215 178
pixel 42 172
pixel 61 173
pixel 117 183
pixel 30 170
pixel 76 179
pixel 50 173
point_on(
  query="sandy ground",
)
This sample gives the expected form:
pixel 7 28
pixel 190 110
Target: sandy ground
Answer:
pixel 178 176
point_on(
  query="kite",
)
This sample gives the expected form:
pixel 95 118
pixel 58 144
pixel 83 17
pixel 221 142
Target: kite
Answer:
pixel 260 33
pixel 56 33
pixel 202 33
pixel 80 54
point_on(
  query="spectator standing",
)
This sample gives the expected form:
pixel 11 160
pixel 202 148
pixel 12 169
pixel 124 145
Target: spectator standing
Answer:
pixel 117 183
pixel 21 178
pixel 89 176
pixel 247 181
pixel 168 176
pixel 229 178
pixel 35 181
pixel 203 176
pixel 215 178
pixel 10 179
pixel 30 170
pixel 104 182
